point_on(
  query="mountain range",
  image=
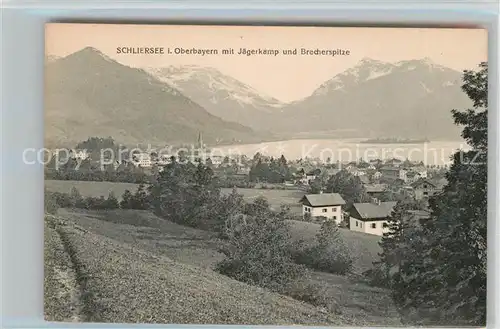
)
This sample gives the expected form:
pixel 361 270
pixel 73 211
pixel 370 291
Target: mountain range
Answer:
pixel 89 94
pixel 408 99
pixel 220 94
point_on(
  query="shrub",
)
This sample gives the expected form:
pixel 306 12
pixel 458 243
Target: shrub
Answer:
pixel 328 253
pixel 257 249
pixel 63 200
pixel 50 203
pixel 76 198
pixel 307 217
pixel 377 277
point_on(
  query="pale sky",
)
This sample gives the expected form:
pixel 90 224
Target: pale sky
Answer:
pixel 286 78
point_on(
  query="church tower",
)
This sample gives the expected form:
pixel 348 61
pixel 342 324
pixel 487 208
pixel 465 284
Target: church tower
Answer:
pixel 200 140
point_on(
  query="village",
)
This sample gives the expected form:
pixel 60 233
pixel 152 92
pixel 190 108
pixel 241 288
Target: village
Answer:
pixel 383 182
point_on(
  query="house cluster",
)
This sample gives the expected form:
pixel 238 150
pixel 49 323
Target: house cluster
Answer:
pixel 303 177
pixel 372 171
pixel 391 169
pixel 368 217
pixel 378 178
pixel 146 160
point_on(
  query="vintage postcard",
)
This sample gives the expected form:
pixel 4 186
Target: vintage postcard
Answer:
pixel 265 175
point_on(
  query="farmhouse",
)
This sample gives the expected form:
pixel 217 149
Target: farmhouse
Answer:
pixel 393 162
pixel 390 172
pixel 142 160
pixel 423 188
pixel 311 175
pixel 375 190
pixel 371 218
pixel 327 205
pixel 411 176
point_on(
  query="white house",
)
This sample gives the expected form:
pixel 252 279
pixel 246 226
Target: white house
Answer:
pixel 217 160
pixel 80 154
pixel 422 172
pixel 327 205
pixel 371 218
pixel 402 174
pixel 143 160
pixel 311 175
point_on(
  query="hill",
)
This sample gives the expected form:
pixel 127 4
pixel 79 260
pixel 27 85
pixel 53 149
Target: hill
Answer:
pixel 126 284
pixel 408 99
pixel 132 257
pixel 220 94
pixel 89 94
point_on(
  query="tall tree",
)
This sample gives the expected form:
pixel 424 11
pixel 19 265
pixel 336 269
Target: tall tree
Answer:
pixel 393 240
pixel 349 186
pixel 446 283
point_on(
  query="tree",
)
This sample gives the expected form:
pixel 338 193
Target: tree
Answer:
pixel 320 182
pixel 446 283
pixel 126 202
pixel 187 194
pixel 231 205
pixel 112 201
pixel 348 186
pixel 392 242
pixel 76 198
pixel 50 203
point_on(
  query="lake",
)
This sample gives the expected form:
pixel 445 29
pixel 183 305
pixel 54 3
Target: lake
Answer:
pixel 345 150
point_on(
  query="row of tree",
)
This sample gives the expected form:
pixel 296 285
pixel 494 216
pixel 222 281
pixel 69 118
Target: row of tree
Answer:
pixel 270 170
pixel 139 200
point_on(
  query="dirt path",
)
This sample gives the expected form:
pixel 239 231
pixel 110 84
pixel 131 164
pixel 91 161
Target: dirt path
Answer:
pixel 62 292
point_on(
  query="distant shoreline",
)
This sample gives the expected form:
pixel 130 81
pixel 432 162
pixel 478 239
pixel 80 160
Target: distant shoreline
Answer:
pixel 395 141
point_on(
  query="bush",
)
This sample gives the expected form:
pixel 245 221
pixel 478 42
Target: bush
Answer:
pixel 377 277
pixel 257 249
pixel 307 217
pixel 50 203
pixel 76 198
pixel 327 254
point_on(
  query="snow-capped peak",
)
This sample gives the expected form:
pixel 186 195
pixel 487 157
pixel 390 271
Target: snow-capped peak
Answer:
pixel 424 62
pixel 366 69
pixel 195 79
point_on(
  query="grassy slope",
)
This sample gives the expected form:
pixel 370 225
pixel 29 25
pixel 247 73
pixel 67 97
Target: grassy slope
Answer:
pixel 357 303
pixel 194 247
pixel 132 285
